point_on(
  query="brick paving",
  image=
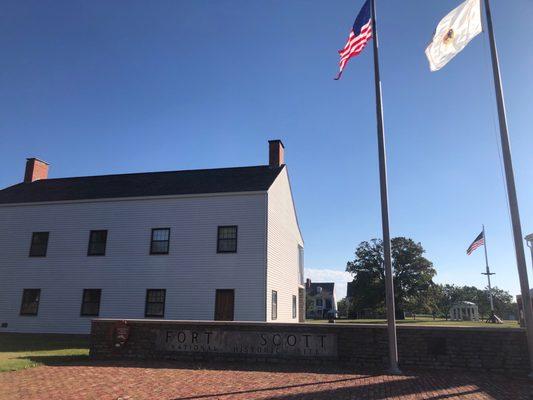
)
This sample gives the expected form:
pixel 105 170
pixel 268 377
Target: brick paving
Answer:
pixel 188 381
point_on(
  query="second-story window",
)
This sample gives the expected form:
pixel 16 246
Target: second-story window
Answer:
pixel 160 241
pixel 39 244
pixel 227 239
pixel 97 243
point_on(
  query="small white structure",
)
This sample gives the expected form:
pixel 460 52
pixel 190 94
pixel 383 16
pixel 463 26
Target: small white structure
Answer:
pixel 464 311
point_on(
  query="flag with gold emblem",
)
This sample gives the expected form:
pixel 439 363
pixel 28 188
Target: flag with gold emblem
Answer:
pixel 453 33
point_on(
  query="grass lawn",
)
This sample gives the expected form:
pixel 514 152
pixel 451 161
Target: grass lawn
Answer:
pixel 423 321
pixel 21 350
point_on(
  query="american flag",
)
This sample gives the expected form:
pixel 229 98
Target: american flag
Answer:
pixel 478 242
pixel 360 34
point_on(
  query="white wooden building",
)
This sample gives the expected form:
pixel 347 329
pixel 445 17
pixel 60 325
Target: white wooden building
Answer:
pixel 209 244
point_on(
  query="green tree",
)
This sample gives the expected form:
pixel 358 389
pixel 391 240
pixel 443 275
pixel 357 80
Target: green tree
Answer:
pixel 309 304
pixel 504 305
pixel 343 307
pixel 444 296
pixel 413 274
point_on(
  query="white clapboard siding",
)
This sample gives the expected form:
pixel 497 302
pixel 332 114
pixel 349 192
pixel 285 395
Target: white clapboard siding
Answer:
pixel 190 273
pixel 283 253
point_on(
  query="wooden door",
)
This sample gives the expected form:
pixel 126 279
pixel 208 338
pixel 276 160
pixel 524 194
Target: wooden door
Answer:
pixel 224 304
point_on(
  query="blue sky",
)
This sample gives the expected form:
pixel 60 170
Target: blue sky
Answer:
pixel 97 87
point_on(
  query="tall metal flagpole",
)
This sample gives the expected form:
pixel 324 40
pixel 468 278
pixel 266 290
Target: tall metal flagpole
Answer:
pixel 511 190
pixel 389 292
pixel 488 273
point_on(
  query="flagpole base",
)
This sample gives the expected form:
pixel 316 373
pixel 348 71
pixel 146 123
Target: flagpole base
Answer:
pixel 397 371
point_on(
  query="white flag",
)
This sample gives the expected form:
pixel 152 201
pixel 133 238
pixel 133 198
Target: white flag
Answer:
pixel 453 33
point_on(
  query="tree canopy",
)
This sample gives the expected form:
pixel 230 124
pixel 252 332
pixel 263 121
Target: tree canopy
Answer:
pixel 444 296
pixel 413 274
pixel 414 288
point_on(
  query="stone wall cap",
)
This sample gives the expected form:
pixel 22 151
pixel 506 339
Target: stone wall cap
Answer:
pixel 310 325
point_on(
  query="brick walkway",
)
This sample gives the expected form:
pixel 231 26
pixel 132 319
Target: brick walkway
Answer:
pixel 135 381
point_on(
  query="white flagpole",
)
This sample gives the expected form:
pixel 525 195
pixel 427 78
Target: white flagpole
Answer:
pixel 511 189
pixel 488 273
pixel 389 285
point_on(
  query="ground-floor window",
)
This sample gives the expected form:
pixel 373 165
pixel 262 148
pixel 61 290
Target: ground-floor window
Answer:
pixel 274 305
pixel 30 301
pixel 90 303
pixel 294 306
pixel 155 303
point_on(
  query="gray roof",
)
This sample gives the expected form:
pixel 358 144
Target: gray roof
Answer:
pixel 201 181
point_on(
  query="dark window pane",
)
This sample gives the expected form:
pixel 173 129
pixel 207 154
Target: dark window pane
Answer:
pixel 294 306
pixel 228 232
pixel 30 301
pixel 227 245
pixel 159 247
pixel 90 309
pixel 156 296
pixel 39 244
pixel 227 239
pixel 97 249
pixel 154 309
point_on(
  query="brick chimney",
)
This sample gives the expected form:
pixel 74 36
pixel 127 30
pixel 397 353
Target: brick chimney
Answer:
pixel 275 153
pixel 35 169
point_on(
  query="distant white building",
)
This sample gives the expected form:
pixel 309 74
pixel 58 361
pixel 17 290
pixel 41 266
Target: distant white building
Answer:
pixel 219 244
pixel 321 301
pixel 464 311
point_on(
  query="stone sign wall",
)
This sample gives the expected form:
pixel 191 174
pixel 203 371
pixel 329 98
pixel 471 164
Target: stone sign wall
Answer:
pixel 484 349
pixel 279 344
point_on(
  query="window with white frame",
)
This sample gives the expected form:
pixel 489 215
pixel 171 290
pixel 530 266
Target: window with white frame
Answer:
pixel 274 310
